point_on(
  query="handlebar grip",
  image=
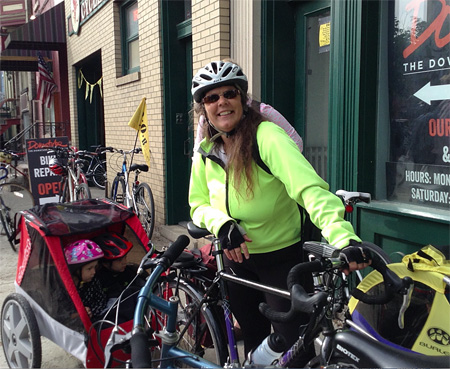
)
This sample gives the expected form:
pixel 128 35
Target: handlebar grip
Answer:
pixel 392 282
pixel 295 274
pixel 140 352
pixel 175 250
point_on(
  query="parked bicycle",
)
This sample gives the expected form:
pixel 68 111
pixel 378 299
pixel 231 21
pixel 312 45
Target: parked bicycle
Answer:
pixel 139 197
pixel 67 164
pixel 14 198
pixel 94 165
pixel 10 170
pixel 349 346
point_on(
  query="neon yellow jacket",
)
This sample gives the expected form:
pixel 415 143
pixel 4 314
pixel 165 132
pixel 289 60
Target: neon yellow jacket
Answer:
pixel 271 217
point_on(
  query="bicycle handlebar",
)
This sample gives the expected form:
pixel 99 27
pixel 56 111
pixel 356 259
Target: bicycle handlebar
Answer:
pixel 301 301
pixel 140 354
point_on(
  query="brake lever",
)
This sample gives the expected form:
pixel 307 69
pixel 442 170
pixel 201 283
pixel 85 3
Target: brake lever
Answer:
pixel 407 294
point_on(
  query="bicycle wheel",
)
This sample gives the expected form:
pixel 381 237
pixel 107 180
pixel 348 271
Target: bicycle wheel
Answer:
pixel 82 192
pixel 99 175
pixel 20 334
pixel 64 193
pixel 118 190
pixel 145 208
pixel 203 335
pixel 13 199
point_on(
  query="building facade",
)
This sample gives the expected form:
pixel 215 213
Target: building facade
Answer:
pixel 365 83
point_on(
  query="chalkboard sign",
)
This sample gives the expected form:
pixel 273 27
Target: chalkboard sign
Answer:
pixel 44 183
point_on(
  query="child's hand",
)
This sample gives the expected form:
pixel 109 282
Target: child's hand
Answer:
pixel 88 310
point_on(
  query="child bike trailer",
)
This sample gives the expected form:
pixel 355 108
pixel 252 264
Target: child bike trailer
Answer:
pixel 418 321
pixel 46 301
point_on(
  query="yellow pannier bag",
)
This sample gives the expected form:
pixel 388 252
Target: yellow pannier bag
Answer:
pixel 426 320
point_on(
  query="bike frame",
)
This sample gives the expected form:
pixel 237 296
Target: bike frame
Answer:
pixel 169 337
pixel 129 200
pixel 73 179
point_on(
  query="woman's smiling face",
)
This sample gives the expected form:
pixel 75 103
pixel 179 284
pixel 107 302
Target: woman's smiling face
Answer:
pixel 224 114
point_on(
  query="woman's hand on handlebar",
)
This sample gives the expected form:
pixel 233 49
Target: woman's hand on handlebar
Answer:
pixel 356 256
pixel 236 253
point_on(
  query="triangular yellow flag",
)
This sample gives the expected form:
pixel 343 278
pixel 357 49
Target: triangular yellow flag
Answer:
pixel 140 124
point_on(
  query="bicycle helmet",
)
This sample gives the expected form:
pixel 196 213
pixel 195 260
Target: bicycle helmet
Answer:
pixel 57 167
pixel 216 74
pixel 82 251
pixel 114 246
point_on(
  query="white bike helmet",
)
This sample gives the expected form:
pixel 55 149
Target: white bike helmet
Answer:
pixel 216 74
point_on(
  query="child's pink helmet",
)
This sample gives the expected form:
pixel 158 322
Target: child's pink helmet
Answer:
pixel 82 251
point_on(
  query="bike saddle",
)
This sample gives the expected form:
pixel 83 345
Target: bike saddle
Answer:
pixel 197 232
pixel 141 167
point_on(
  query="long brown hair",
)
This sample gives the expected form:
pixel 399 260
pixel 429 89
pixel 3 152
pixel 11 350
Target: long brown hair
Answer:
pixel 240 149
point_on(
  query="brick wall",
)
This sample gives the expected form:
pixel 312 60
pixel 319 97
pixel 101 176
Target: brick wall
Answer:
pixel 122 95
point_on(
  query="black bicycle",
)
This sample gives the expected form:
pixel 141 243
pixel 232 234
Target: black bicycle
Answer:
pixel 337 347
pixel 94 167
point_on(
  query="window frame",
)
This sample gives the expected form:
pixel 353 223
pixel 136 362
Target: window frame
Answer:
pixel 125 41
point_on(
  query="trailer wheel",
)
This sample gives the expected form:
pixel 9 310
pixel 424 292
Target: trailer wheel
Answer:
pixel 21 338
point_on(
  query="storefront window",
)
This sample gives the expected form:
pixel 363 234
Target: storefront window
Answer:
pixel 130 37
pixel 418 168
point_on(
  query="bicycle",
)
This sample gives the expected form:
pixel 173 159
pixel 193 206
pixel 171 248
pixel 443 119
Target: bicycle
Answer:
pixel 14 198
pixel 67 164
pixel 95 165
pixel 140 197
pixel 341 347
pixel 18 175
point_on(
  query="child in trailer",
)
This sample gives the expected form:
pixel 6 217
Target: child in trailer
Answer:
pixel 82 257
pixel 117 277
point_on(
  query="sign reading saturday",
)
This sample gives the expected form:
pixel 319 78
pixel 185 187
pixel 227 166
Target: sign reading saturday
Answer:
pixel 419 93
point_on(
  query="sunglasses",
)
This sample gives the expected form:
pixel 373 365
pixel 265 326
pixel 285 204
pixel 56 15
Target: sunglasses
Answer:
pixel 229 94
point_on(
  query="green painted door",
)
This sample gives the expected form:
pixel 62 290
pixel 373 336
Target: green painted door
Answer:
pixel 177 77
pixel 91 124
pixel 312 71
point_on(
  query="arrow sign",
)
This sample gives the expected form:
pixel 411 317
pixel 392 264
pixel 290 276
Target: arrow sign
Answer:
pixel 430 93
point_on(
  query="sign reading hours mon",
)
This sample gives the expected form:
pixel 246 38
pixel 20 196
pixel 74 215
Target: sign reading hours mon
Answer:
pixel 419 93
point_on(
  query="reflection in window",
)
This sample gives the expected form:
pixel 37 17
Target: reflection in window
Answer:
pixel 418 170
pixel 130 37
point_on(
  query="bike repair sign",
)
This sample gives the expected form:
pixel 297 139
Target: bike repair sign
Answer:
pixel 45 184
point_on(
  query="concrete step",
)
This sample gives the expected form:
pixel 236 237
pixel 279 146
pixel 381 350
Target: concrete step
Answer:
pixel 171 233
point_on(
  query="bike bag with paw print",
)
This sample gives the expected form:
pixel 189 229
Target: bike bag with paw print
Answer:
pixel 417 321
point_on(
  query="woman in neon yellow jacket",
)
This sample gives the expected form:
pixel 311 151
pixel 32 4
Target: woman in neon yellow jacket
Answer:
pixel 253 207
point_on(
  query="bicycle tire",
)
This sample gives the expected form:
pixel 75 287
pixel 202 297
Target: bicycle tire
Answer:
pixel 204 336
pixel 14 199
pixel 118 190
pixel 7 225
pixel 82 192
pixel 64 195
pixel 145 208
pixel 99 175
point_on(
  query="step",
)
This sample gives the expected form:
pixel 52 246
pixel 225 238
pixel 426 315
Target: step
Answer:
pixel 171 232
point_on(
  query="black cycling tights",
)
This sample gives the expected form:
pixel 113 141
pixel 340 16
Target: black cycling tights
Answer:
pixel 271 269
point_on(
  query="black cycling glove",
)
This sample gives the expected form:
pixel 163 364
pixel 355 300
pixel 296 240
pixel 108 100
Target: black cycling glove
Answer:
pixel 355 251
pixel 230 237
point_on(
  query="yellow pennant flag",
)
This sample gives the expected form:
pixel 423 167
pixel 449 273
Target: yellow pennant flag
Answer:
pixel 140 124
